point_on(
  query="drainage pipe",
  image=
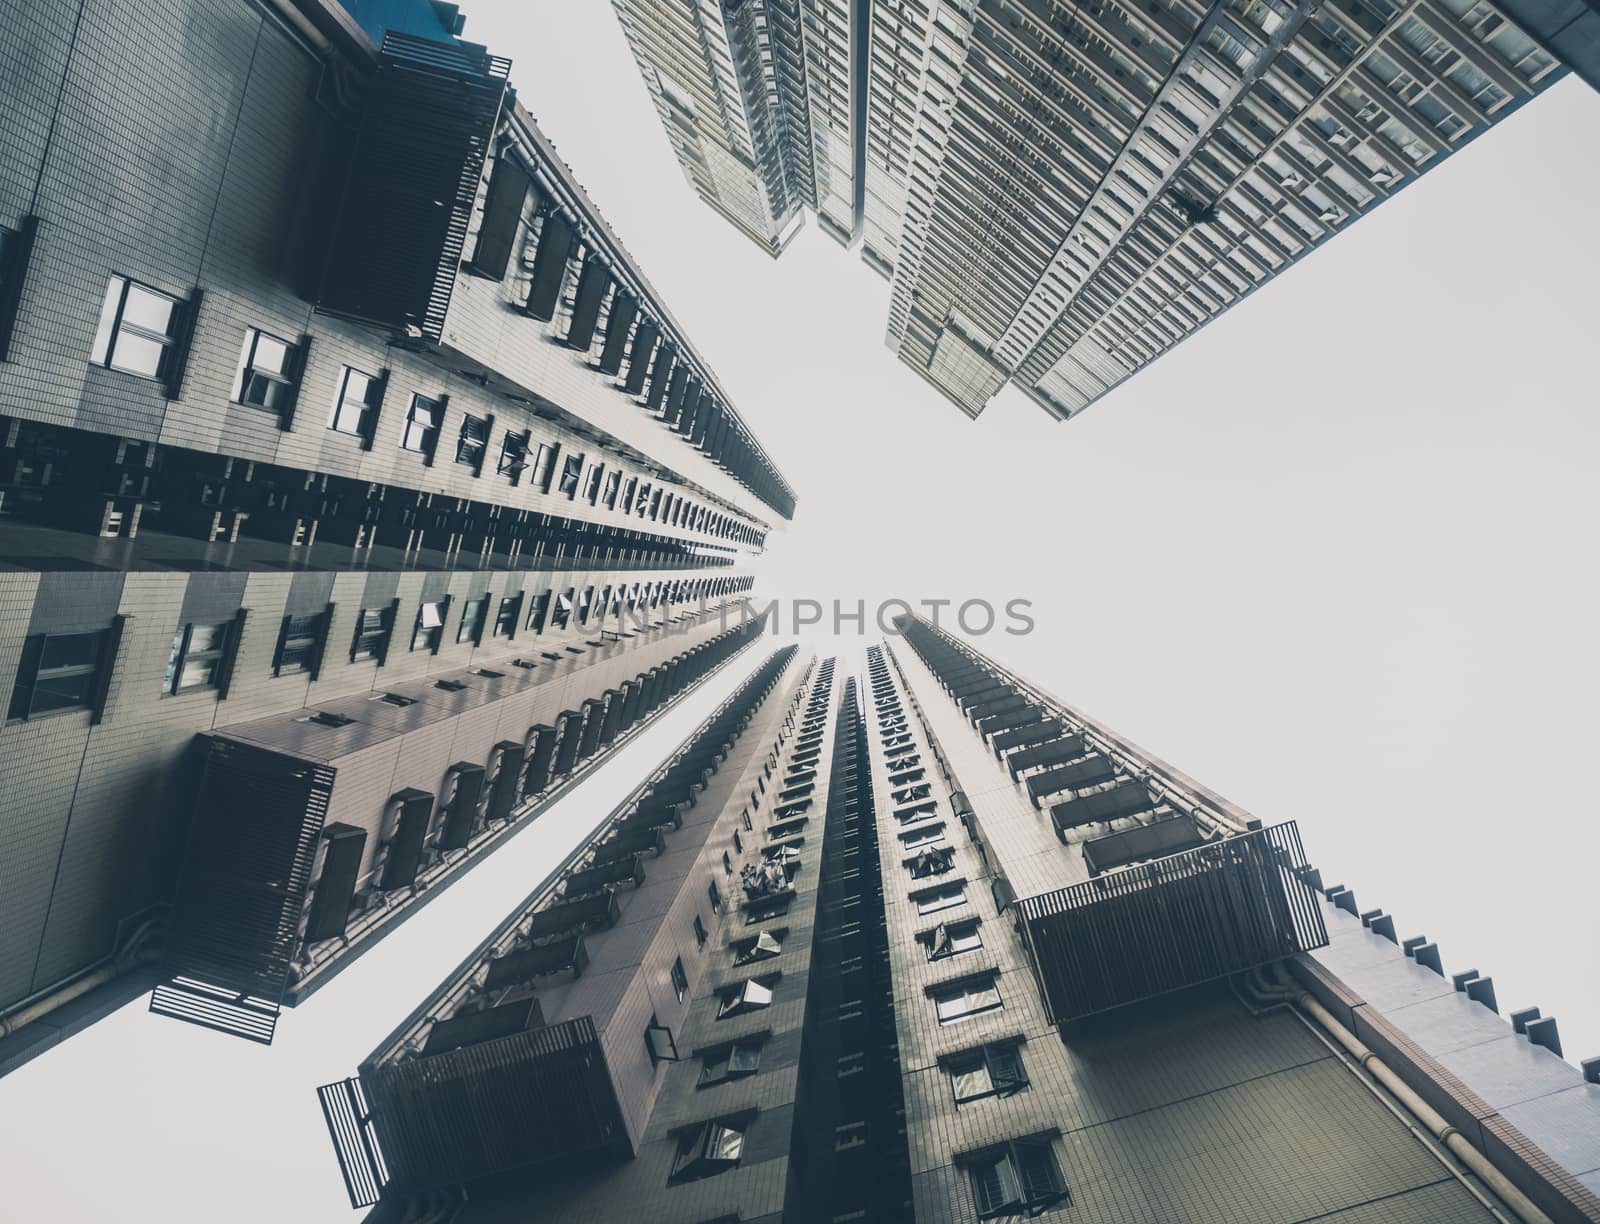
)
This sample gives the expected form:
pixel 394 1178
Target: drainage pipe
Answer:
pixel 1306 1004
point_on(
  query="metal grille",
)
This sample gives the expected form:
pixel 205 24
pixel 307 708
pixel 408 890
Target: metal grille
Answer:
pixel 344 1109
pixel 414 174
pixel 481 1109
pixel 236 916
pixel 1175 922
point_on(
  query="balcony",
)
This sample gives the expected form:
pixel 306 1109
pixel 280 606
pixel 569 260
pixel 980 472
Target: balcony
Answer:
pixel 479 1108
pixel 1178 921
pixel 396 242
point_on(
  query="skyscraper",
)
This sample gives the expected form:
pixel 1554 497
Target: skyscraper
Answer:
pixel 762 100
pixel 1062 192
pixel 359 493
pixel 930 944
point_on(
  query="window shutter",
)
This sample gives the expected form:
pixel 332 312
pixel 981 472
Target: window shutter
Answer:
pixel 182 340
pixel 297 375
pixel 369 421
pixel 1040 1180
pixel 16 249
pixel 230 654
pixel 1005 1069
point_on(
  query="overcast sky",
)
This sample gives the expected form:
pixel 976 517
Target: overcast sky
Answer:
pixel 1334 557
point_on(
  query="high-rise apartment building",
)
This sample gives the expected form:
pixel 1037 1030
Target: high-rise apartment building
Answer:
pixel 930 944
pixel 1061 192
pixel 763 101
pixel 357 493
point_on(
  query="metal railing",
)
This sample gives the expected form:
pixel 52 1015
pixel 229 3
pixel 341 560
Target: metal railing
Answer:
pixel 1192 917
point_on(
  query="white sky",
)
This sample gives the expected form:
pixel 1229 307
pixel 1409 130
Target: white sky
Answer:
pixel 1334 558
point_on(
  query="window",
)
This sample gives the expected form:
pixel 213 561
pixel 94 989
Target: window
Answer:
pixel 730 1062
pixel 472 616
pixel 680 979
pixel 958 1000
pixel 715 894
pixel 372 634
pixel 952 939
pixel 613 483
pixel 473 442
pixel 591 484
pixel 761 909
pixel 514 455
pixel 748 997
pixel 505 620
pixel 763 947
pixel 537 611
pixel 266 372
pixel 700 935
pixel 706 1150
pixel 423 420
pixel 196 657
pixel 544 466
pixel 930 862
pixel 659 1041
pixel 58 672
pixel 922 837
pixel 992 1070
pixel 563 610
pixel 355 406
pixel 429 626
pixel 935 899
pixel 1016 1178
pixel 569 475
pixel 298 639
pixel 138 329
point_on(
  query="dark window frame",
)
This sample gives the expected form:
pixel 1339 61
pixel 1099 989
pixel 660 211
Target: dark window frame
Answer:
pixel 422 438
pixel 34 673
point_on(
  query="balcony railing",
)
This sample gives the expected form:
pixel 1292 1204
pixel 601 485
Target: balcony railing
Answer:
pixel 472 1111
pixel 236 916
pixel 1191 917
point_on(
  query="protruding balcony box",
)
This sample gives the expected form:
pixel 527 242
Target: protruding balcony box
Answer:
pixel 652 814
pixel 461 816
pixel 1034 731
pixel 983 693
pixel 1206 913
pixel 636 841
pixel 403 857
pixel 1142 843
pixel 569 727
pixel 628 869
pixel 532 1096
pixel 1091 771
pixel 594 712
pixel 504 794
pixel 235 920
pixel 1046 752
pixel 475 1027
pixel 1004 721
pixel 395 243
pixel 1128 797
pixel 335 888
pixel 539 760
pixel 526 964
pixel 596 910
pixel 996 704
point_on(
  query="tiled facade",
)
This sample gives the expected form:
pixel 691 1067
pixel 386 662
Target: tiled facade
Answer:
pixel 1060 193
pixel 1212 1102
pixel 908 1056
pixel 541 461
pixel 640 929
